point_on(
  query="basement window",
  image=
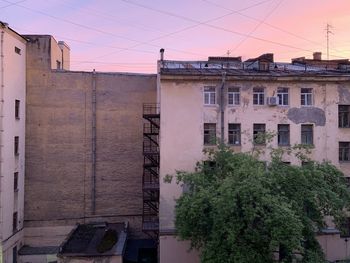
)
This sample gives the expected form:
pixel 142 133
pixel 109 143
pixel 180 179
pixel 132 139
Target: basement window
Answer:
pixel 18 50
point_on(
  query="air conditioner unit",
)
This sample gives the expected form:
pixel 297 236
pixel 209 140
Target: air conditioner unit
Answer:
pixel 272 101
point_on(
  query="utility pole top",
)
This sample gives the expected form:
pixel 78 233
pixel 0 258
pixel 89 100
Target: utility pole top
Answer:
pixel 328 31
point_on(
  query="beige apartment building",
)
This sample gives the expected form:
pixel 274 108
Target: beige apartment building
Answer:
pixel 12 141
pixel 203 102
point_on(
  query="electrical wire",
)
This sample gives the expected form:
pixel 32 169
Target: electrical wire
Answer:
pixel 257 26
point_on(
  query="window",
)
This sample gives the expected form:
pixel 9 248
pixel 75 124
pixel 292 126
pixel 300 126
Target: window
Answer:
pixel 283 96
pixel 15 181
pixel 18 50
pixel 258 96
pixel 344 151
pixel 264 65
pixel 307 134
pixel 283 134
pixel 16 145
pixel 58 64
pixel 209 133
pixel 209 96
pixel 259 133
pixel 234 133
pixel 233 96
pixel 306 97
pixel 14 221
pixel 17 103
pixel 344 116
pixel 287 163
pixel 14 254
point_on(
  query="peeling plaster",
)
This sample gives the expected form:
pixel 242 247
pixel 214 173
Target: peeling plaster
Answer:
pixel 307 114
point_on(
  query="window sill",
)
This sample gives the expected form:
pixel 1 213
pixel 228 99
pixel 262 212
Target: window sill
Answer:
pixel 344 127
pixel 233 105
pixel 17 118
pixel 211 105
pixel 344 162
pixel 284 145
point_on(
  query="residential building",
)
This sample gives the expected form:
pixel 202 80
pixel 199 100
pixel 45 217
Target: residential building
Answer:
pixel 205 102
pixel 12 140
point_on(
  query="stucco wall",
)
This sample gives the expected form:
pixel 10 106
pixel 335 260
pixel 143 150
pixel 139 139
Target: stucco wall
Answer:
pixel 183 116
pixel 59 140
pixel 13 79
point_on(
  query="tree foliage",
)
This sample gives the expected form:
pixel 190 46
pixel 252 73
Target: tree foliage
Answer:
pixel 237 209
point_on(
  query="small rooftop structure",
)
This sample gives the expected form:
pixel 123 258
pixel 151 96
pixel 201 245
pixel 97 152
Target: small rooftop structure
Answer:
pixel 95 240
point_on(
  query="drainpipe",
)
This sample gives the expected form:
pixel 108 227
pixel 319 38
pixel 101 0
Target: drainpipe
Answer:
pixel 2 86
pixel 222 107
pixel 93 144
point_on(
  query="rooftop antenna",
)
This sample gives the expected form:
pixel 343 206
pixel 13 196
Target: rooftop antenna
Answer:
pixel 228 52
pixel 328 31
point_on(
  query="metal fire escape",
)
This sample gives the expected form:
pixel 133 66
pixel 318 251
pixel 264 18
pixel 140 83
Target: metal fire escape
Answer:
pixel 150 180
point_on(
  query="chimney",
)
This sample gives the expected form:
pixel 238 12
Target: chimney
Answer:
pixel 161 54
pixel 317 56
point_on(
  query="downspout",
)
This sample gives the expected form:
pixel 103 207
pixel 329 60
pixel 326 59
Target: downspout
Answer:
pixel 222 107
pixel 93 144
pixel 2 86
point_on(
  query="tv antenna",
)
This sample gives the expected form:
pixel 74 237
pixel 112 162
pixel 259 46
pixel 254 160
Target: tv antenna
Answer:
pixel 328 29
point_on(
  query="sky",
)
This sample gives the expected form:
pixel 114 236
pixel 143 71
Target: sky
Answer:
pixel 126 35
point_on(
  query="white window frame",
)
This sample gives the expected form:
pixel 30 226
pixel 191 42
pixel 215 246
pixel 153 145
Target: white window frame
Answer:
pixel 281 94
pixel 209 95
pixel 259 94
pixel 307 97
pixel 233 96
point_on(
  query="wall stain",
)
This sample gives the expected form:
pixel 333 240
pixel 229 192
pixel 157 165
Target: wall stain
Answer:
pixel 307 114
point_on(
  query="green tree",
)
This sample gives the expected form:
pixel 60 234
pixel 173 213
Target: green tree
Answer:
pixel 237 209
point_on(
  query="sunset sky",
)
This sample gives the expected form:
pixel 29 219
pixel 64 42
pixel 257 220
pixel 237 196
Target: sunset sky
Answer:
pixel 126 35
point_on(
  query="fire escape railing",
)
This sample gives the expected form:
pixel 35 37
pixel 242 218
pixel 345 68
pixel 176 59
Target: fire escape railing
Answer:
pixel 150 179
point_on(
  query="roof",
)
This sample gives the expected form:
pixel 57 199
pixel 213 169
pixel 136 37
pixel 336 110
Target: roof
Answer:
pixel 95 239
pixel 242 69
pixel 6 26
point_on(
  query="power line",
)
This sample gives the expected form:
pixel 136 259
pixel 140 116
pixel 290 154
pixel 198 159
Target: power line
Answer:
pixel 215 27
pixel 12 4
pixel 95 29
pixel 191 27
pixel 257 26
pixel 274 27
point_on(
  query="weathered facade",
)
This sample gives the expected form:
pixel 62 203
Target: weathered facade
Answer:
pixel 12 144
pixel 233 101
pixel 84 145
